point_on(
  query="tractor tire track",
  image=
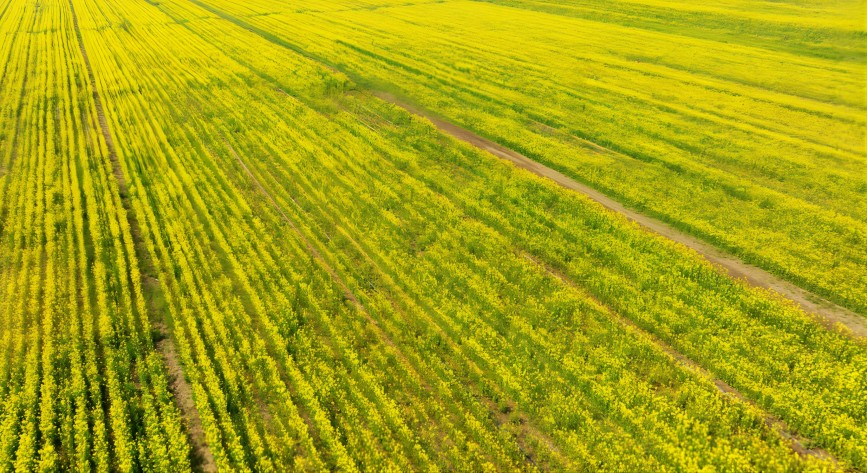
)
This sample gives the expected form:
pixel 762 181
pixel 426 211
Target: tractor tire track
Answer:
pixel 203 459
pixel 825 312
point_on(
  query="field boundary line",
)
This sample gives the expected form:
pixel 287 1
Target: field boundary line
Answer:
pixel 203 459
pixel 825 312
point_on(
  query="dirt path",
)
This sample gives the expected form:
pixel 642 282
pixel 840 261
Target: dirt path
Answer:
pixel 828 313
pixel 202 458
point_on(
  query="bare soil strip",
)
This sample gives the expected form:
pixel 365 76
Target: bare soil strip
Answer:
pixel 797 443
pixel 202 458
pixel 826 312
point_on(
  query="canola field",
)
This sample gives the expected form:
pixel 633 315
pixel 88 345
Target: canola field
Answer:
pixel 764 139
pixel 222 250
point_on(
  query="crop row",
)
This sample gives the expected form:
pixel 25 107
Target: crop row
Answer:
pixel 83 388
pixel 758 151
pixel 349 289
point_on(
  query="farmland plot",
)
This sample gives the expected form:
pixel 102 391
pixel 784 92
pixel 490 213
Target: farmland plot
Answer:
pixel 758 147
pixel 346 288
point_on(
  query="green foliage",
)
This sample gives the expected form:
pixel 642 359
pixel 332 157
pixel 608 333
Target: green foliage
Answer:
pixel 348 289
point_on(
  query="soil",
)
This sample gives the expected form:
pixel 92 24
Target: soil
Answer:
pixel 202 458
pixel 825 312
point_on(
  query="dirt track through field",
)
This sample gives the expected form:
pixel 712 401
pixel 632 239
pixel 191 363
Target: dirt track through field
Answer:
pixel 828 313
pixel 203 459
pixel 825 312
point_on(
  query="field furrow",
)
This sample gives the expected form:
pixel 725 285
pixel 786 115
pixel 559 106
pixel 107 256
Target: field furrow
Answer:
pixel 368 235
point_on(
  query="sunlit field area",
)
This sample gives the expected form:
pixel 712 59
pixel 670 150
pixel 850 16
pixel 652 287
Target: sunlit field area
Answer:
pixel 381 235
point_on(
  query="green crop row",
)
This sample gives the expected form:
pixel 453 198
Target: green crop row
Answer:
pixel 345 294
pixel 82 386
pixel 756 150
pixel 346 288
